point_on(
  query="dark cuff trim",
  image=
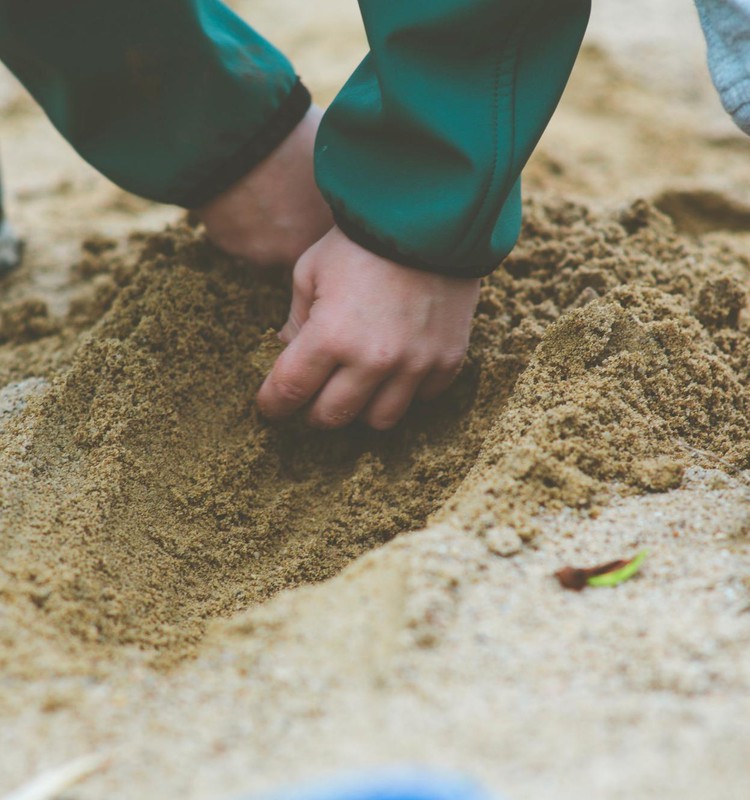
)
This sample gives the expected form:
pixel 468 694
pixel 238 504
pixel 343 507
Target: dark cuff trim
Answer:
pixel 392 252
pixel 262 143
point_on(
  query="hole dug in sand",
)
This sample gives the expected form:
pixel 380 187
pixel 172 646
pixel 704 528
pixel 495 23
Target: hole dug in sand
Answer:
pixel 147 493
pixel 700 211
pixel 143 495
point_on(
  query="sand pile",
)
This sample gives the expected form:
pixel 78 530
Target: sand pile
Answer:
pixel 645 373
pixel 143 495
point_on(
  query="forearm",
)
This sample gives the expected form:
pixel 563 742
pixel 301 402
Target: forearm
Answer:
pixel 173 100
pixel 420 154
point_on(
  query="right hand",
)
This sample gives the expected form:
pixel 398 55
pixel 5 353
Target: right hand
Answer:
pixel 366 335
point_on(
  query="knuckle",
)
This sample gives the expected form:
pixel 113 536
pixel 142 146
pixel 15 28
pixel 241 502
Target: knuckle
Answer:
pixel 334 340
pixel 417 366
pixel 452 360
pixel 382 358
pixel 289 391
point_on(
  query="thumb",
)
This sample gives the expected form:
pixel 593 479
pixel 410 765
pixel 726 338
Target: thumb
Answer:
pixel 303 295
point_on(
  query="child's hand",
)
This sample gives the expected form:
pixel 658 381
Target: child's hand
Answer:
pixel 273 214
pixel 365 336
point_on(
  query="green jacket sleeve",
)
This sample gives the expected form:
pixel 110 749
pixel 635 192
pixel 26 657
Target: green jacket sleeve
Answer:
pixel 420 153
pixel 173 100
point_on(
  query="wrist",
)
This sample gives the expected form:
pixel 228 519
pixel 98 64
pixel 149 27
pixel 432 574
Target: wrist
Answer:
pixel 256 151
pixel 274 212
pixel 391 250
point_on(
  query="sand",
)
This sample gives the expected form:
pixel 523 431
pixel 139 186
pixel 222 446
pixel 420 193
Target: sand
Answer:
pixel 224 605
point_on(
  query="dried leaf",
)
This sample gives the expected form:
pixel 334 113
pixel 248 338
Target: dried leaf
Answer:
pixel 611 574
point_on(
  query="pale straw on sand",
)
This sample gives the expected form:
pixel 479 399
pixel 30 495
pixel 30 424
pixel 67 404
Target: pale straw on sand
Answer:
pixel 52 783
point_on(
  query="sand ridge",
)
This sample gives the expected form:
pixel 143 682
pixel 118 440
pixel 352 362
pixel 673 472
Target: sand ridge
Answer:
pixel 143 493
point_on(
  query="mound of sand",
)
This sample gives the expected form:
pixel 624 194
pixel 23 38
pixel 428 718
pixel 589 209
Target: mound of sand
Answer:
pixel 146 495
pixel 143 494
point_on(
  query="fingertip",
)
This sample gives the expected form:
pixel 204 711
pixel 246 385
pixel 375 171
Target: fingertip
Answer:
pixel 313 421
pixel 298 374
pixel 269 403
pixel 390 404
pixel 329 422
pixel 381 425
pixel 434 385
pixel 261 400
pixel 271 414
pixel 376 421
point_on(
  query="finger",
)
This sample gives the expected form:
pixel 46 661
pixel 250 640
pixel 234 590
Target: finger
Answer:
pixel 303 295
pixel 391 401
pixel 299 372
pixel 437 382
pixel 343 397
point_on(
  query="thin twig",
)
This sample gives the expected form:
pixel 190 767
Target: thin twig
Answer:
pixel 717 459
pixel 52 783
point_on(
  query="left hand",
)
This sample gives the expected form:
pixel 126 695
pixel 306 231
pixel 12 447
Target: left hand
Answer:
pixel 275 212
pixel 365 336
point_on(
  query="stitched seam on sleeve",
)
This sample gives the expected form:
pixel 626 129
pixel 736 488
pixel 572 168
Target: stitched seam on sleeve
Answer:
pixel 489 181
pixel 479 226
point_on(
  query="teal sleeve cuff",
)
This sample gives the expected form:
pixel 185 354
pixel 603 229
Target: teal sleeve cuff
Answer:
pixel 173 100
pixel 420 154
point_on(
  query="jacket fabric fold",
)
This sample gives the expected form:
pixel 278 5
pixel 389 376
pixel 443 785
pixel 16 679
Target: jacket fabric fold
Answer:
pixel 420 155
pixel 173 100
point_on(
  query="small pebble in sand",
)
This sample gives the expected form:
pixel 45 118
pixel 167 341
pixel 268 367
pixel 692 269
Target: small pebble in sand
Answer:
pixel 503 541
pixel 661 474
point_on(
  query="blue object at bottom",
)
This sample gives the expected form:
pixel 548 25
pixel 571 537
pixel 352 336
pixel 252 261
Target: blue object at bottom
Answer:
pixel 390 785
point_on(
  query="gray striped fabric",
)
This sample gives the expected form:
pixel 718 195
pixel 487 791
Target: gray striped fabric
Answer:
pixel 726 25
